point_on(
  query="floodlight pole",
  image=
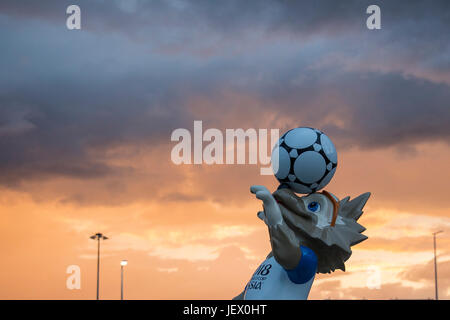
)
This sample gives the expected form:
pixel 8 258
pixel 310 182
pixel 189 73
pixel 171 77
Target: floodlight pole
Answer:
pixel 123 263
pixel 98 267
pixel 98 236
pixel 121 282
pixel 435 265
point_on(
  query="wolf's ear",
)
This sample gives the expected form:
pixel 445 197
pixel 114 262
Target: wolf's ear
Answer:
pixel 353 208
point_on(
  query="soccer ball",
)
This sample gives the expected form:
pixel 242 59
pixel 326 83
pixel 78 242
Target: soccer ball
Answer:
pixel 305 159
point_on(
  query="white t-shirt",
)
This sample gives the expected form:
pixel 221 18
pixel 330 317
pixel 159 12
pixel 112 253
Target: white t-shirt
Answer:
pixel 272 282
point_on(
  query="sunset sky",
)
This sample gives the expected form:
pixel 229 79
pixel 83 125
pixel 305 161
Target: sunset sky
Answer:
pixel 86 118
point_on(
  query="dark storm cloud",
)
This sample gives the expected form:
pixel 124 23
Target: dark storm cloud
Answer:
pixel 377 110
pixel 60 105
pixel 68 96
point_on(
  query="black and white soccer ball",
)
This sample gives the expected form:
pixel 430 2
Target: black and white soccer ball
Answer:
pixel 304 159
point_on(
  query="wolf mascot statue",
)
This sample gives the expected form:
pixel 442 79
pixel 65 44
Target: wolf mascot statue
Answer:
pixel 308 235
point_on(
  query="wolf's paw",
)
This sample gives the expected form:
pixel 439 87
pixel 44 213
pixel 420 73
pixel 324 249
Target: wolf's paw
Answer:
pixel 272 214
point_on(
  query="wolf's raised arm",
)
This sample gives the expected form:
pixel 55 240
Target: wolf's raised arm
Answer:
pixel 284 243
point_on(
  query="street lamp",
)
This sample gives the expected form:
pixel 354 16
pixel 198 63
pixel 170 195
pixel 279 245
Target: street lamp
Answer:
pixel 98 237
pixel 435 264
pixel 123 263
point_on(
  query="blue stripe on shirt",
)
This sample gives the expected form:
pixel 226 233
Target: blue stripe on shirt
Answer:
pixel 306 268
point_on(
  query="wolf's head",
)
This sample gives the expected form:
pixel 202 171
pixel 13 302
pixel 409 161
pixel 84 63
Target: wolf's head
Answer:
pixel 322 223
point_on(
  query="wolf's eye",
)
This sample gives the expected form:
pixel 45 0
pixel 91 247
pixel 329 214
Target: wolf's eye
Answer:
pixel 314 206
